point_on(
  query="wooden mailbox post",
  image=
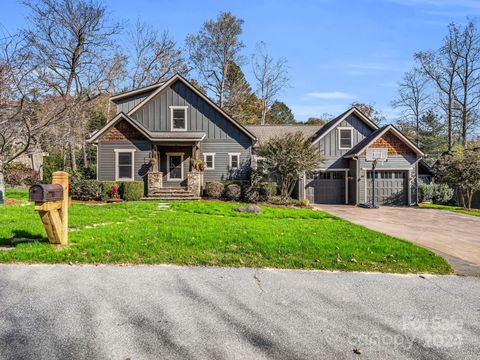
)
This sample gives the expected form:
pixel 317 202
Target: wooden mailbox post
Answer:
pixel 52 202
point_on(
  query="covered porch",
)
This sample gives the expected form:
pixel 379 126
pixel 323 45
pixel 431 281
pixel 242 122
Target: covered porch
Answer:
pixel 173 172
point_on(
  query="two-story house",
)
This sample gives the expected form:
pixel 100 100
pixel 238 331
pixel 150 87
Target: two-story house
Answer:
pixel 160 130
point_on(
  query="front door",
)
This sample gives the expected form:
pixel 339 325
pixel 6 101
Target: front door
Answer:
pixel 175 167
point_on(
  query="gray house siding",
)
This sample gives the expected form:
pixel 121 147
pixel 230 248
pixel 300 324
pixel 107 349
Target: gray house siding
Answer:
pixel 329 144
pixel 127 104
pixel 407 163
pixel 222 136
pixel 106 157
pixel 221 149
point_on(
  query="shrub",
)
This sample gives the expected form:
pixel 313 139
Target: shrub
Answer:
pixel 131 190
pixel 425 192
pixel 87 190
pixel 214 189
pixel 270 188
pixel 277 200
pixel 106 191
pixel 18 174
pixel 442 194
pixel 437 193
pixel 233 192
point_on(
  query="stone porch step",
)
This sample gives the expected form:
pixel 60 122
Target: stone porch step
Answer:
pixel 172 194
pixel 162 197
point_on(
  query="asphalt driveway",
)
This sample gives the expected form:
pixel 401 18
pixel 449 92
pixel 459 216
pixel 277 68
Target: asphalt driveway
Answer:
pixel 170 312
pixel 454 236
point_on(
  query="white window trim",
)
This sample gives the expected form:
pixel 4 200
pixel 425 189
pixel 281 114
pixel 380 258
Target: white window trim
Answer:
pixel 340 139
pixel 118 151
pixel 168 166
pixel 205 160
pixel 184 108
pixel 230 155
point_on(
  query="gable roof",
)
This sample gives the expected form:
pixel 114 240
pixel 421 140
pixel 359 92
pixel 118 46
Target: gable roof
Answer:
pixel 264 133
pixel 333 123
pixel 136 91
pixel 366 142
pixel 178 77
pixel 150 135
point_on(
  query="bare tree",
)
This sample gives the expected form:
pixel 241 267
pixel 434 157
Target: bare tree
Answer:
pixel 466 47
pixel 71 44
pixel 21 96
pixel 413 99
pixel 441 67
pixel 271 77
pixel 370 111
pixel 155 56
pixel 213 49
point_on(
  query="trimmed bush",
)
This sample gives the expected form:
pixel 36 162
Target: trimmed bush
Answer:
pixel 86 190
pixel 131 190
pixel 18 174
pixel 107 189
pixel 233 192
pixel 214 189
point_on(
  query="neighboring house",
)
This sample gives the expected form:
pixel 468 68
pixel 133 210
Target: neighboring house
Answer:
pixel 160 129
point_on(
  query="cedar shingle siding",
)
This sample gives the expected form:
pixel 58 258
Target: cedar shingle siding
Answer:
pixel 123 131
pixel 394 145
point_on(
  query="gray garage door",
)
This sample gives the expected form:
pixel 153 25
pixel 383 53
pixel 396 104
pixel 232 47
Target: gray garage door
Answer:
pixel 326 187
pixel 390 187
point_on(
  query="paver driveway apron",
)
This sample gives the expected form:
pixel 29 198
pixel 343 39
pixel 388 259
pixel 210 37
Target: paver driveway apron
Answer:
pixel 454 236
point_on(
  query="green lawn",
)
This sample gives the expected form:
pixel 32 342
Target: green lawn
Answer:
pixel 211 233
pixel 458 209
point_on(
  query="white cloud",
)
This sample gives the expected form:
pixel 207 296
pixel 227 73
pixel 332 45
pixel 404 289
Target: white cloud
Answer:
pixel 302 112
pixel 333 95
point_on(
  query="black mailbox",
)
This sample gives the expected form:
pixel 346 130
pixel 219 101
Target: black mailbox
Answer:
pixel 46 192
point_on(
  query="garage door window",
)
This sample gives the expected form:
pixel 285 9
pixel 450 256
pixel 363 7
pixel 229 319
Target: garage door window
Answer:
pixel 387 175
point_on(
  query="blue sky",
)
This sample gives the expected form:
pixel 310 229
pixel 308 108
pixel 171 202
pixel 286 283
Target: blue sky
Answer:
pixel 338 51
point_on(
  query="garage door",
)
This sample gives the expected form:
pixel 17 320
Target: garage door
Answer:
pixel 390 187
pixel 326 187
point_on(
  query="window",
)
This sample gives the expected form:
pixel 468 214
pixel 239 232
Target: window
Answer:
pixel 124 161
pixel 209 160
pixel 234 161
pixel 178 115
pixel 345 138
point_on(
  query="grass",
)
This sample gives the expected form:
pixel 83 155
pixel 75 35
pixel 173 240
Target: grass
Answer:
pixel 211 233
pixel 457 209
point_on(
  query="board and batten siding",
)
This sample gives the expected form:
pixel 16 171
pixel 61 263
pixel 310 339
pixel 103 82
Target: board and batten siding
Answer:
pixel 329 144
pixel 399 162
pixel 127 104
pixel 222 136
pixel 106 157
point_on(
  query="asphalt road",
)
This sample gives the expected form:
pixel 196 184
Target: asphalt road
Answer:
pixel 166 312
